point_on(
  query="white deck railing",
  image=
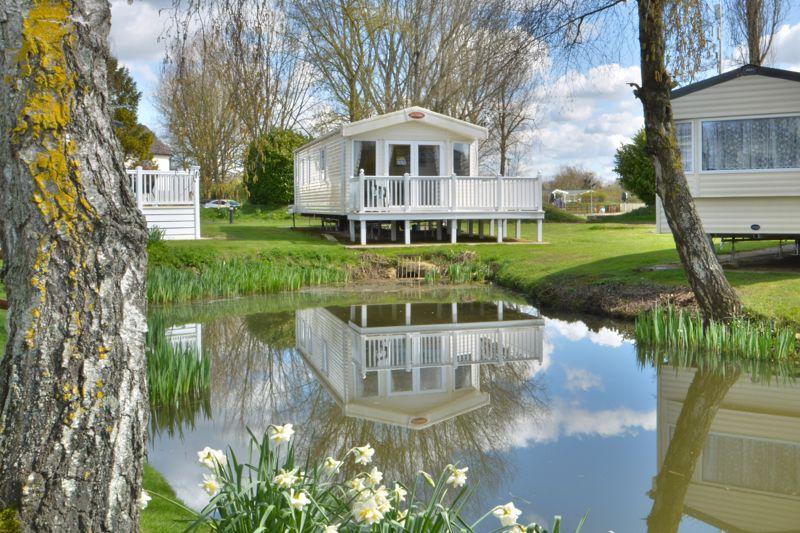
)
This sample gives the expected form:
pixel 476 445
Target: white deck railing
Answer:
pixel 417 350
pixel 155 188
pixel 392 194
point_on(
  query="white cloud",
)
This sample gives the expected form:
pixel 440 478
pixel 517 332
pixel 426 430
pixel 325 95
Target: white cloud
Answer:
pixel 577 330
pixel 566 420
pixel 785 51
pixel 135 31
pixel 580 379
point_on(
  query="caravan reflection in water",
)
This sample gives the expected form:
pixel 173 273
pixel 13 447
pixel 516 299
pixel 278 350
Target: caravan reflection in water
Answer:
pixel 414 364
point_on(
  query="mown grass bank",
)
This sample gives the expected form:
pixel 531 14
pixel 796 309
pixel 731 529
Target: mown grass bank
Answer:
pixel 604 268
pixel 161 514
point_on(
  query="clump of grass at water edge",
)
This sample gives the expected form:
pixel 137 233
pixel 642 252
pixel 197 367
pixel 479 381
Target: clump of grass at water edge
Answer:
pixel 665 327
pixel 236 277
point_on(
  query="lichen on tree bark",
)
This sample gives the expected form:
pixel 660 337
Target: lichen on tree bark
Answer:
pixel 73 397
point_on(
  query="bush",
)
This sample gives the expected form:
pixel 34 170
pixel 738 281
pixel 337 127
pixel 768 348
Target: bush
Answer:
pixel 269 167
pixel 554 214
pixel 635 169
pixel 277 492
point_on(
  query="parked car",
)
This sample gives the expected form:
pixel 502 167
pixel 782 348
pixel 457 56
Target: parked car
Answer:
pixel 222 204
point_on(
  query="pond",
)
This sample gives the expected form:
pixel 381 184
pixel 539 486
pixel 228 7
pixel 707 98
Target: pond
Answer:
pixel 555 413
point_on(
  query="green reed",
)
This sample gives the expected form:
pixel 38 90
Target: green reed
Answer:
pixel 177 375
pixel 473 272
pixel 665 327
pixel 236 277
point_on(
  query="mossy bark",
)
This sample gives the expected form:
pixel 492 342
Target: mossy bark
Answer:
pixel 715 296
pixel 73 392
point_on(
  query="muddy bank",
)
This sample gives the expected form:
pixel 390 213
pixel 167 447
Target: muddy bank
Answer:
pixel 616 300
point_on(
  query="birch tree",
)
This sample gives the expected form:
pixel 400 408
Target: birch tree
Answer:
pixel 73 394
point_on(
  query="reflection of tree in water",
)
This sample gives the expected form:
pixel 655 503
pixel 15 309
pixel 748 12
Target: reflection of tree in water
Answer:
pixel 258 378
pixel 713 379
pixel 475 439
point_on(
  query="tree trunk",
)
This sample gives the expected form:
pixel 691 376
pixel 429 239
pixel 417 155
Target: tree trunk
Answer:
pixel 73 391
pixel 753 10
pixel 714 294
pixel 703 399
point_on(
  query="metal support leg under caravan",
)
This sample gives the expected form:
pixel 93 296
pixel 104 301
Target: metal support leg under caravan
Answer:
pixel 352 230
pixel 407 231
pixel 363 228
pixel 394 230
pixel 453 231
pixel 519 229
pixel 539 224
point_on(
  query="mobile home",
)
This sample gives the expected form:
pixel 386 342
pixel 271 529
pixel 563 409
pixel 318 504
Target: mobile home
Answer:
pixel 412 168
pixel 739 136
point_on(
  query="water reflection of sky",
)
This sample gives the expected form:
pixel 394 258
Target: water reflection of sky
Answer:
pixel 584 439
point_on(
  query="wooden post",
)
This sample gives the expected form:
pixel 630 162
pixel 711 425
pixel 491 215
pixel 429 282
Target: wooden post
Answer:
pixel 407 231
pixel 139 188
pixel 480 229
pixel 539 230
pixel 499 231
pixel 407 191
pixel 453 230
pixel 196 185
pixel 519 228
pixel 499 206
pixel 363 228
pixel 360 191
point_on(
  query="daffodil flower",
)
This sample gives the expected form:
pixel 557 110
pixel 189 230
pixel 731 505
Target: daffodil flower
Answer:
pixel 401 517
pixel 507 514
pixel 333 528
pixel 399 492
pixel 427 477
pixel 210 484
pixel 211 458
pixel 356 484
pixel 366 511
pixel 144 499
pixel 284 479
pixel 458 476
pixel 374 477
pixel 331 465
pixel 363 454
pixel 299 500
pixel 281 434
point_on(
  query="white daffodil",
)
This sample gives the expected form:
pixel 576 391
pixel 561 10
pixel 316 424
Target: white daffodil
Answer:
pixel 281 434
pixel 458 476
pixel 363 454
pixel 374 477
pixel 298 501
pixel 366 511
pixel 507 514
pixel 210 458
pixel 331 465
pixel 356 484
pixel 381 495
pixel 401 517
pixel 399 492
pixel 210 484
pixel 144 499
pixel 284 479
pixel 333 528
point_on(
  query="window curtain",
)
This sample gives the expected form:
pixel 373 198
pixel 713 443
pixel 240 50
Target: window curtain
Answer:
pixel 683 131
pixel 751 144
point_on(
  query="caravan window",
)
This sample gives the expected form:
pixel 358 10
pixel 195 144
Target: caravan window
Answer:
pixel 751 144
pixel 364 155
pixel 461 159
pixel 322 163
pixel 683 132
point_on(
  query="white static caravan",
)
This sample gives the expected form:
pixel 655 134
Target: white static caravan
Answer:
pixel 412 167
pixel 415 364
pixel 169 200
pixel 739 135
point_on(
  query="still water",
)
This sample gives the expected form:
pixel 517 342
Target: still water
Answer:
pixel 554 413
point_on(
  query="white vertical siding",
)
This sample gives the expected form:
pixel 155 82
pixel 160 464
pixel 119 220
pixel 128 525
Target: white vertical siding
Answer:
pixel 321 193
pixel 326 331
pixel 178 222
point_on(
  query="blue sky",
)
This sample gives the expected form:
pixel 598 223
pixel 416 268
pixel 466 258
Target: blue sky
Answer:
pixel 589 110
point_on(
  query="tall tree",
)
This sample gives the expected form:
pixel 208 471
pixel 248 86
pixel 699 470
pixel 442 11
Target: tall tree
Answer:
pixel 713 292
pixel 635 169
pixel 134 138
pixel 752 25
pixel 73 395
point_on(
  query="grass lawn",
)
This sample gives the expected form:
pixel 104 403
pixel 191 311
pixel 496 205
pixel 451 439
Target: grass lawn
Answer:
pixel 576 254
pixel 162 516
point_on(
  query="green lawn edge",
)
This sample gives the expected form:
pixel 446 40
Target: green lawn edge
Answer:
pixel 162 515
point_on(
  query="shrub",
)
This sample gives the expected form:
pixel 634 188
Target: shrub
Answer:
pixel 276 492
pixel 635 169
pixel 554 214
pixel 269 167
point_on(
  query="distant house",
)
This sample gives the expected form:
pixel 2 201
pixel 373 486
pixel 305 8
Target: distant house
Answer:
pixel 412 168
pixel 739 136
pixel 161 154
